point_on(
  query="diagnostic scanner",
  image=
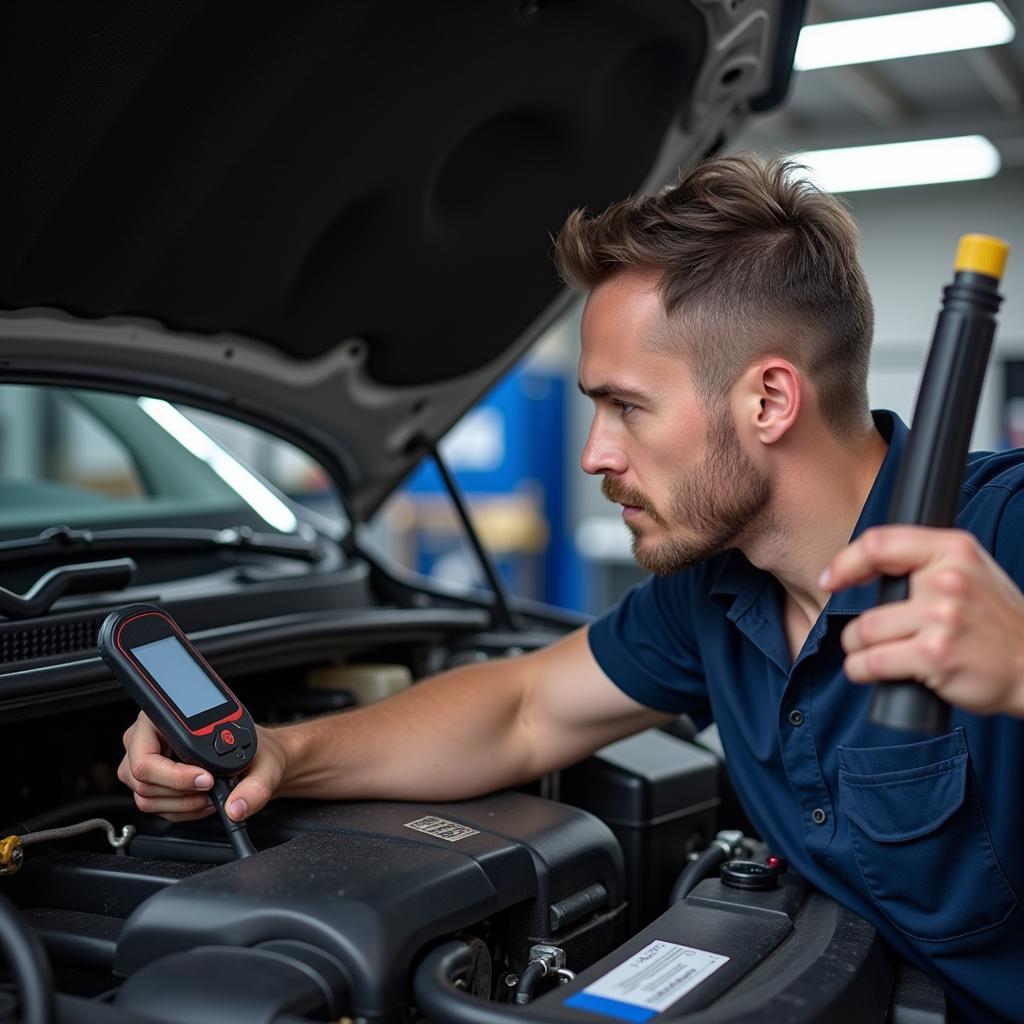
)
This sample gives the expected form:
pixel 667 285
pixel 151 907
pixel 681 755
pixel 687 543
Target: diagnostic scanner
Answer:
pixel 200 719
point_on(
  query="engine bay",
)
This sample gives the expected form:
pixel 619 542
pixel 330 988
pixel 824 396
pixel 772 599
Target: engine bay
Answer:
pixel 521 903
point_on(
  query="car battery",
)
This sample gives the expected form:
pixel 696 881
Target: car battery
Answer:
pixel 660 796
pixel 752 945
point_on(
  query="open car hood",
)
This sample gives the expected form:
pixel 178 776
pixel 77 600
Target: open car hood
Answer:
pixel 333 219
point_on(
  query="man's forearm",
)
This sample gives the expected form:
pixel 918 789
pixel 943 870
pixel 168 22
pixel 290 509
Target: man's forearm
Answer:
pixel 461 734
pixel 454 736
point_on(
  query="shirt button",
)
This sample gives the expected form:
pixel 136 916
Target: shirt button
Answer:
pixel 796 717
pixel 818 816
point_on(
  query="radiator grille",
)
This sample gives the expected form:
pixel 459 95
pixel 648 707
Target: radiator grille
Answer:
pixel 29 643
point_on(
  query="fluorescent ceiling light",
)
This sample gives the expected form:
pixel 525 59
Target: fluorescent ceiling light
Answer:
pixel 267 505
pixel 939 30
pixel 901 163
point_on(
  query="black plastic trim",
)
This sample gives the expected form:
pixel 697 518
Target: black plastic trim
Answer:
pixel 253 643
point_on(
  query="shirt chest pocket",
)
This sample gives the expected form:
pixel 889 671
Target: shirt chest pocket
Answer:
pixel 920 839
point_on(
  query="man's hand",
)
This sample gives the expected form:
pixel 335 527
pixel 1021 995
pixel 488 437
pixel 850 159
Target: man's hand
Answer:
pixel 960 632
pixel 180 792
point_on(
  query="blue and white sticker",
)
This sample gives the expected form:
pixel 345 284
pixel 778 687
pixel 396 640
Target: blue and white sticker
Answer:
pixel 648 982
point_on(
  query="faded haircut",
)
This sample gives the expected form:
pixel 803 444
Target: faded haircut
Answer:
pixel 752 259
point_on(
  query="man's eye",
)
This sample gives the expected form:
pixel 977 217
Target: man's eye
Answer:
pixel 625 407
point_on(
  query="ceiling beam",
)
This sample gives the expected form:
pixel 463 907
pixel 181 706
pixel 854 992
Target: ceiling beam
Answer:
pixel 865 88
pixel 784 122
pixel 937 126
pixel 999 74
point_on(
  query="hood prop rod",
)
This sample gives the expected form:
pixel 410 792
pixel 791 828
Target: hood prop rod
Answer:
pixel 502 616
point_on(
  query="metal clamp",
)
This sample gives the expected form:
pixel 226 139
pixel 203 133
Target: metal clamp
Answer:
pixel 552 957
pixel 11 855
pixel 730 841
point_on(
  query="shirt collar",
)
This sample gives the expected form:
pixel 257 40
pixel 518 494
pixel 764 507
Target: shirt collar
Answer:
pixel 734 576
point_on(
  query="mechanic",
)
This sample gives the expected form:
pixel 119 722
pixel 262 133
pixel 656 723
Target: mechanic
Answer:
pixel 725 346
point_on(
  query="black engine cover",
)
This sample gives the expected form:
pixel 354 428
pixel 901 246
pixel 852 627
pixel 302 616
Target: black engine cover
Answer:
pixel 365 884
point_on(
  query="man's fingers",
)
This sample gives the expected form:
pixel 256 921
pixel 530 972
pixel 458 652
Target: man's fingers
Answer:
pixel 264 776
pixel 173 805
pixel 249 796
pixel 149 790
pixel 151 775
pixel 195 816
pixel 923 657
pixel 146 762
pixel 889 622
pixel 896 551
pixel 157 770
pixel 142 738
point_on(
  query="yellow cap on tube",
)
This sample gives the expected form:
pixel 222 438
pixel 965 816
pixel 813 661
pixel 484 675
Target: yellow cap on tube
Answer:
pixel 982 254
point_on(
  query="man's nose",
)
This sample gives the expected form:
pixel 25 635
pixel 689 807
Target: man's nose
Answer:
pixel 601 454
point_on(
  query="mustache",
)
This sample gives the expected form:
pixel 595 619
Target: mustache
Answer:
pixel 620 494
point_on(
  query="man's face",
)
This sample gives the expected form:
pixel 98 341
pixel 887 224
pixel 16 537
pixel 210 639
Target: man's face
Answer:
pixel 687 487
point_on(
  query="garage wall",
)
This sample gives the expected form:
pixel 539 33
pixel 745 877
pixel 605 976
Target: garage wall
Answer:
pixel 908 241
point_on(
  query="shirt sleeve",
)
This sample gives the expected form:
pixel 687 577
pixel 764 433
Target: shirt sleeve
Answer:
pixel 645 645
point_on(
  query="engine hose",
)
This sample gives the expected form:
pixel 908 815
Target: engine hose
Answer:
pixel 118 842
pixel 526 987
pixel 12 852
pixel 21 949
pixel 88 807
pixel 697 870
pixel 442 1003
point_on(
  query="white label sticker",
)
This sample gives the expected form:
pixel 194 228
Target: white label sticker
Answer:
pixel 648 982
pixel 441 828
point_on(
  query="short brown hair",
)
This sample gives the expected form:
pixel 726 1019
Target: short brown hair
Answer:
pixel 759 259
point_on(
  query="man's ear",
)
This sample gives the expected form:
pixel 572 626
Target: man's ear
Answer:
pixel 774 393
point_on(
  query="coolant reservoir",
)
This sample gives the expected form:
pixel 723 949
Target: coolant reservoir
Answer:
pixel 366 682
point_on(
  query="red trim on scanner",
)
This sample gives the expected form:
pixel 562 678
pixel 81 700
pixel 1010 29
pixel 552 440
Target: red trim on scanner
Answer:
pixel 206 729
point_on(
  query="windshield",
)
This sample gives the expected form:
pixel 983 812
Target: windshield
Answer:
pixel 94 460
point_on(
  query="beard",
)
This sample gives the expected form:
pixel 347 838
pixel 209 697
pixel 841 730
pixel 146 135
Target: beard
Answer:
pixel 715 502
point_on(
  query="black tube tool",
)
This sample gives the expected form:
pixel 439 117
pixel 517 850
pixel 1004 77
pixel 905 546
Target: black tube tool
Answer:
pixel 931 473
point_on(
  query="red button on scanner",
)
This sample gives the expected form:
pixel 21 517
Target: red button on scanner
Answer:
pixel 225 741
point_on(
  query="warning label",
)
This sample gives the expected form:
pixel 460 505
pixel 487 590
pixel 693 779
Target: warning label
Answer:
pixel 648 982
pixel 441 828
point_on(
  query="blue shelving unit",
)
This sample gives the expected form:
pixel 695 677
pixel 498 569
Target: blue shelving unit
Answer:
pixel 509 457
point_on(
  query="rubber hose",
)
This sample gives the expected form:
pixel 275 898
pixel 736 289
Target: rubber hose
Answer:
pixel 526 988
pixel 21 949
pixel 87 807
pixel 442 1003
pixel 696 871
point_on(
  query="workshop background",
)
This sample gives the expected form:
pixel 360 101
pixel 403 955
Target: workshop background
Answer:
pixel 555 537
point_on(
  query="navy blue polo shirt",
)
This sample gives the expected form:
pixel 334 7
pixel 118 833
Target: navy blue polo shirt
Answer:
pixel 922 837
